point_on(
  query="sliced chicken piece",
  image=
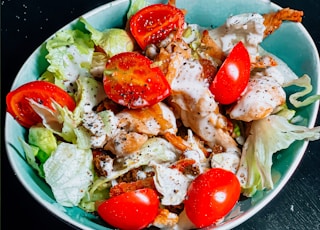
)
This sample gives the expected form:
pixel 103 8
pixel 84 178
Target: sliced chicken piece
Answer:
pixel 124 143
pixel 263 94
pixel 152 121
pixel 193 102
pixel 136 126
pixel 165 219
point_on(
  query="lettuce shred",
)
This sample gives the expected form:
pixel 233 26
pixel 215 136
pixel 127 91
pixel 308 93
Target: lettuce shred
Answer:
pixel 69 172
pixel 266 137
pixel 305 83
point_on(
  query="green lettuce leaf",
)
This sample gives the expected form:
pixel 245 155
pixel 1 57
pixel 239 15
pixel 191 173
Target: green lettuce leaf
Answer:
pixel 296 99
pixel 70 55
pixel 135 6
pixel 90 93
pixel 266 137
pixel 64 122
pixel 69 172
pixel 31 153
pixel 112 41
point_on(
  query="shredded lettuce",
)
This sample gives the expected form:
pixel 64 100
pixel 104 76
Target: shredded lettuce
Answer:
pixel 90 93
pixel 59 121
pixel 303 82
pixel 83 137
pixel 31 153
pixel 69 172
pixel 98 191
pixel 284 111
pixel 70 56
pixel 156 149
pixel 112 41
pixel 266 137
pixel 135 6
pixel 62 121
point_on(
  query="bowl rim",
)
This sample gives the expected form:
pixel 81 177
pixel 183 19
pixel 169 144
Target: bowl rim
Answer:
pixel 62 216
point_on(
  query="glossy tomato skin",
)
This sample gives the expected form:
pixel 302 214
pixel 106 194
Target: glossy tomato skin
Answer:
pixel 211 196
pixel 233 76
pixel 131 210
pixel 152 24
pixel 131 80
pixel 40 91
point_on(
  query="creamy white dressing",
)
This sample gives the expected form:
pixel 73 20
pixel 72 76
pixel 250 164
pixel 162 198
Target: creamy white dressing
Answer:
pixel 107 165
pixel 247 28
pixel 227 160
pixel 171 183
pixel 169 116
pixel 189 90
pixel 193 103
pixel 76 64
pixel 262 96
pixel 98 141
pixel 93 122
pixel 197 107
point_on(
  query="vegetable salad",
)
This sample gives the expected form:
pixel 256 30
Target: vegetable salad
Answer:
pixel 148 124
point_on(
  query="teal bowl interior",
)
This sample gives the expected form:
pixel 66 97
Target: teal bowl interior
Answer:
pixel 291 43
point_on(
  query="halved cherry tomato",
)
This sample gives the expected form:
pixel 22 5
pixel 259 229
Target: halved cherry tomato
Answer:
pixel 152 24
pixel 233 76
pixel 211 196
pixel 130 210
pixel 40 91
pixel 131 80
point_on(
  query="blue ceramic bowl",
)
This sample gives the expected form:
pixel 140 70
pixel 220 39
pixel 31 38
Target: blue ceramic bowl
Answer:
pixel 302 58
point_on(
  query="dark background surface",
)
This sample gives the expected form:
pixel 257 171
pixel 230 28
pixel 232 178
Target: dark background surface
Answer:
pixel 26 24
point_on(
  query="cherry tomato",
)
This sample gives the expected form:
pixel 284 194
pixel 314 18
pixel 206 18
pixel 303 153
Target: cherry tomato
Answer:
pixel 211 196
pixel 40 91
pixel 131 80
pixel 233 76
pixel 130 210
pixel 152 24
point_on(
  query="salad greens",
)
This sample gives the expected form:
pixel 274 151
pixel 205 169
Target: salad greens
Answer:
pixel 112 41
pixel 69 172
pixel 70 55
pixel 66 164
pixel 266 137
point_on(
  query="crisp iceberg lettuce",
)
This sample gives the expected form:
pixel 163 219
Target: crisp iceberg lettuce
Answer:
pixel 295 98
pixel 62 121
pixel 69 172
pixel 156 149
pixel 266 137
pixel 70 56
pixel 31 157
pixel 112 41
pixel 90 93
pixel 135 6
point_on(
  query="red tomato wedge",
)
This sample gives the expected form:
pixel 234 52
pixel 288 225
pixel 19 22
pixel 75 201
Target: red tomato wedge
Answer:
pixel 211 196
pixel 233 76
pixel 130 210
pixel 131 80
pixel 152 24
pixel 40 91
